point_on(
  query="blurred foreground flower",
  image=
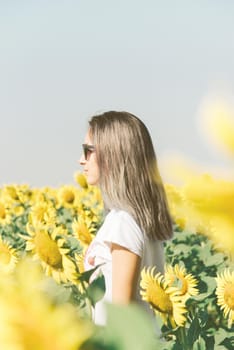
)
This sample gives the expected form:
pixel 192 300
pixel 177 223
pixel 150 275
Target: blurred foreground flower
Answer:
pixel 218 122
pixel 225 294
pixel 167 304
pixel 205 205
pixel 29 319
pixel 178 169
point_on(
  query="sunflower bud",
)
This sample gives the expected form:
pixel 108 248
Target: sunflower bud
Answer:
pixel 81 180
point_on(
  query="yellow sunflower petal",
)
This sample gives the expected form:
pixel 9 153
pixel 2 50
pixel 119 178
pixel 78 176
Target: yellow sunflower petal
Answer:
pixel 225 294
pixel 8 257
pixel 156 293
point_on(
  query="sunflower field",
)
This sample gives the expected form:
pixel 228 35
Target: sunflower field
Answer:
pixel 46 298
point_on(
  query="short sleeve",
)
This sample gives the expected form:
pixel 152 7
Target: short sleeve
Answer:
pixel 124 231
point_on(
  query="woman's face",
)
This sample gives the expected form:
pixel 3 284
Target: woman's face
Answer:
pixel 89 163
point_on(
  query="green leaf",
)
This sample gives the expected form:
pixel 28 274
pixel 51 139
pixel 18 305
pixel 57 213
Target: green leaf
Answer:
pixel 96 290
pixel 205 252
pixel 85 276
pixel 210 282
pixel 193 331
pixel 229 342
pixel 176 346
pixel 74 244
pixel 200 344
pixel 130 328
pixel 220 335
pixel 181 236
pixel 182 248
pixel 215 259
pixel 197 298
pixel 203 318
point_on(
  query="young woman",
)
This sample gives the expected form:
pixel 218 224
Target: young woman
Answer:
pixel 119 157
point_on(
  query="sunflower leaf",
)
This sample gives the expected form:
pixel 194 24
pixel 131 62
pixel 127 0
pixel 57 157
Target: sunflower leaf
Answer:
pixel 129 327
pixel 193 331
pixel 199 344
pixel 210 282
pixel 85 276
pixel 215 259
pixel 220 336
pixel 96 290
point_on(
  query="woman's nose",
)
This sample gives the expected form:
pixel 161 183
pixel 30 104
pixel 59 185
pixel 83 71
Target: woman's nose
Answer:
pixel 82 160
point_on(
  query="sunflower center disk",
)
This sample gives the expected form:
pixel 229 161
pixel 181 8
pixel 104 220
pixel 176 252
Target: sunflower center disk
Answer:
pixel 69 197
pixel 2 212
pixel 161 301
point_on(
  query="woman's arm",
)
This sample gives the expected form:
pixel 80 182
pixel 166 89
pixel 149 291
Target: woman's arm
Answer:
pixel 125 273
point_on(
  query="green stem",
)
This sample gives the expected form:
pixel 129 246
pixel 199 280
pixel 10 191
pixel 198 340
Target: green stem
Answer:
pixel 182 337
pixel 87 300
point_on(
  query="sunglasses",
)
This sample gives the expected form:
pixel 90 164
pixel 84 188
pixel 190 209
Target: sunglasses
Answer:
pixel 88 149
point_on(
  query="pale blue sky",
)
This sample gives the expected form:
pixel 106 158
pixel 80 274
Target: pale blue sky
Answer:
pixel 63 61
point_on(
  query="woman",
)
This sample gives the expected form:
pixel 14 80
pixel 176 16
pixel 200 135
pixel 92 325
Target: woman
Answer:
pixel 119 157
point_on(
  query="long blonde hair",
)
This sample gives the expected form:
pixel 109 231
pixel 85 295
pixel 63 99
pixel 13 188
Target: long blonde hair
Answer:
pixel 129 176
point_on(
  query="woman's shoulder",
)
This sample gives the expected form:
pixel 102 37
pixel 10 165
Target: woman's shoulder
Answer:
pixel 119 219
pixel 120 215
pixel 122 229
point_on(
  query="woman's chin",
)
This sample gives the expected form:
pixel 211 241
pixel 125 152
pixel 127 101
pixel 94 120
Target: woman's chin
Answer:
pixel 91 182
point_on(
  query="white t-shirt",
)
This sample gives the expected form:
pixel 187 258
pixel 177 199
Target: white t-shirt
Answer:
pixel 119 227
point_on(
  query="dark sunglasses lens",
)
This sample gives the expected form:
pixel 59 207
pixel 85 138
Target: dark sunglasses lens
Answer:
pixel 87 150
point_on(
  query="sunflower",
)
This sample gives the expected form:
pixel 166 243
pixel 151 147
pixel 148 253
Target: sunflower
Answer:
pixel 82 228
pixel 24 193
pixel 79 258
pixel 66 196
pixel 91 198
pixel 45 194
pixel 8 257
pixel 81 180
pixel 179 281
pixel 10 193
pixel 29 318
pixel 225 294
pixel 164 303
pixel 5 218
pixel 75 277
pixel 43 212
pixel 49 246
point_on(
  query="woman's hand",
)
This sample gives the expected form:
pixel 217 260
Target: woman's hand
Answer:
pixel 125 274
